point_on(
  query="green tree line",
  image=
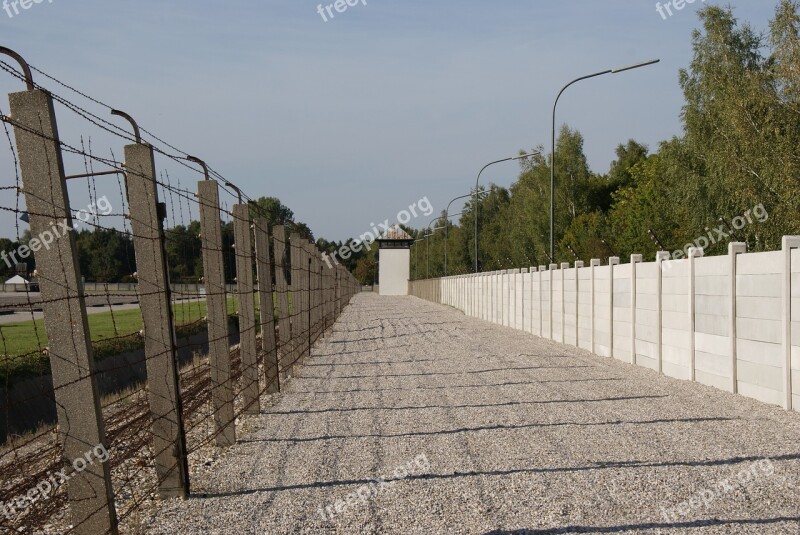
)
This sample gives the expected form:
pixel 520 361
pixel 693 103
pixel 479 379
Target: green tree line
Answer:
pixel 107 255
pixel 732 175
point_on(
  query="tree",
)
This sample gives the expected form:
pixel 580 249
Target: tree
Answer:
pixel 275 212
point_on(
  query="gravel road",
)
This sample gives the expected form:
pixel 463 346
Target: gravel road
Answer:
pixel 412 418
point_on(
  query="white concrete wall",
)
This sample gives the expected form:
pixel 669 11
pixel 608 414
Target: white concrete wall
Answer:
pixel 585 309
pixel 519 305
pixel 675 320
pixel 602 310
pixel 758 326
pixel 570 306
pixel 731 321
pixel 558 296
pixel 394 271
pixel 647 315
pixel 712 321
pixel 795 325
pixel 622 313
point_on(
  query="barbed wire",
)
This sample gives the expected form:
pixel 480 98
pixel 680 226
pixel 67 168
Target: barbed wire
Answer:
pixel 31 436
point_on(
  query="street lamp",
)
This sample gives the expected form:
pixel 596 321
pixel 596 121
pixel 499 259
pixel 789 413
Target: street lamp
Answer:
pixel 416 259
pixel 447 217
pixel 428 246
pixel 477 182
pixel 553 145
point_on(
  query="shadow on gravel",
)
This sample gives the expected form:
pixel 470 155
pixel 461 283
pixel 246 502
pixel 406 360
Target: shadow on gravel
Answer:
pixel 371 351
pixel 636 528
pixel 489 428
pixel 435 374
pixel 449 387
pixel 465 406
pixel 370 363
pixel 503 473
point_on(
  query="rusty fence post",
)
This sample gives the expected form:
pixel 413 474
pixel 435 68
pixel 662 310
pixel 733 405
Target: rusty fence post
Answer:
pixel 163 391
pixel 282 288
pixel 71 358
pixel 266 303
pixel 243 247
pixel 296 243
pixel 219 356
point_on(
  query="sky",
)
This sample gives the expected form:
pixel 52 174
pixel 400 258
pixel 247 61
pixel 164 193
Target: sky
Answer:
pixel 351 120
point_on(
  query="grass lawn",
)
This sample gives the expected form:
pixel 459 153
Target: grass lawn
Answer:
pixel 20 343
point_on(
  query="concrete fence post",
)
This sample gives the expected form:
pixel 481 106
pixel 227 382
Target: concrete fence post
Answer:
pixel 612 261
pixel 661 257
pixel 307 277
pixel 593 263
pixel 519 295
pixel 243 248
pixel 542 270
pixel 320 295
pixel 163 392
pixel 315 294
pixel 694 252
pixel 531 272
pixel 219 357
pixel 282 289
pixel 635 259
pixel 734 250
pixel 337 296
pixel 553 268
pixel 296 253
pixel 788 243
pixel 71 358
pixel 578 266
pixel 563 269
pixel 269 346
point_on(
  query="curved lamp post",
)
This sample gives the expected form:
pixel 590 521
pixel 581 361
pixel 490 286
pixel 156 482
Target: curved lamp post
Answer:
pixel 447 218
pixel 553 145
pixel 428 231
pixel 446 233
pixel 477 183
pixel 416 258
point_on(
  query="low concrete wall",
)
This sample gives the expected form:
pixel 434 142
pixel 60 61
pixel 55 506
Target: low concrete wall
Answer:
pixel 731 322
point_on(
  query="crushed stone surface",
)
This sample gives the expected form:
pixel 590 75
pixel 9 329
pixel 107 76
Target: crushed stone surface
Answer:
pixel 412 418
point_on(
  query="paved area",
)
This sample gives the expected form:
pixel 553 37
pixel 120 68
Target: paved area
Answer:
pixel 412 418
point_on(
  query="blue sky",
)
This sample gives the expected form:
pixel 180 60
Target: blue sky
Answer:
pixel 349 121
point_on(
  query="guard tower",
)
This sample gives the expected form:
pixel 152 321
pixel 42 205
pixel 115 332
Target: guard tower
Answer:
pixel 394 260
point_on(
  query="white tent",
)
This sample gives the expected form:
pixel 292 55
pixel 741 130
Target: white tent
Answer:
pixel 16 284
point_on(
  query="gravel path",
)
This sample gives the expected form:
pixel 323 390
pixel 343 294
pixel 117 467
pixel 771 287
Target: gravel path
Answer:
pixel 447 424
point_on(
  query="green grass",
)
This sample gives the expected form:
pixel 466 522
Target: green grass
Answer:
pixel 21 343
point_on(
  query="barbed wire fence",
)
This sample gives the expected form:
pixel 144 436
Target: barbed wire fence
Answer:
pixel 102 414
